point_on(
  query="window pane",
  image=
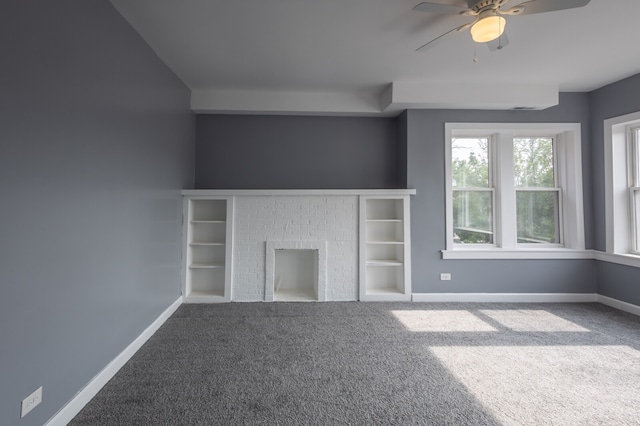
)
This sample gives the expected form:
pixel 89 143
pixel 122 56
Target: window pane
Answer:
pixel 537 216
pixel 533 162
pixel 470 162
pixel 473 217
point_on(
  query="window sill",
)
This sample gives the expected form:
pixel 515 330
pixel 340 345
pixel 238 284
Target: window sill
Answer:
pixel 546 253
pixel 619 258
pixel 561 253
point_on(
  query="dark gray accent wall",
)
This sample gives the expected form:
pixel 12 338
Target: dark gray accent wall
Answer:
pixel 401 160
pixel 623 97
pixel 291 152
pixel 96 141
pixel 425 173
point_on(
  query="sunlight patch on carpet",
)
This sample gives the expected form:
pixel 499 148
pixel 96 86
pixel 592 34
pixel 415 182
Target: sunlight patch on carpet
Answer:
pixel 531 320
pixel 535 385
pixel 445 321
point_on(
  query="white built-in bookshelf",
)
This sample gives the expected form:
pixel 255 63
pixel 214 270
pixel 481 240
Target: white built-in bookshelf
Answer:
pixel 385 269
pixel 207 260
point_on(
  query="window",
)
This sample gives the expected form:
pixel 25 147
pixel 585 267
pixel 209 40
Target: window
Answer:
pixel 472 191
pixel 622 185
pixel 633 155
pixel 513 190
pixel 537 194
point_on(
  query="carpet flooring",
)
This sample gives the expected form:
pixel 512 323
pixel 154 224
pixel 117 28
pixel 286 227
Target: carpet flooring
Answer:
pixel 352 363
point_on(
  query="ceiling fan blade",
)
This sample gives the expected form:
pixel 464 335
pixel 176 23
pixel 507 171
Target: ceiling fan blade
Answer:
pixel 516 10
pixel 499 43
pixel 444 36
pixel 542 6
pixel 446 9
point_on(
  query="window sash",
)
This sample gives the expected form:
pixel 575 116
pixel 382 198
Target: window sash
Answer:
pixel 557 219
pixel 489 181
pixel 491 232
pixel 554 164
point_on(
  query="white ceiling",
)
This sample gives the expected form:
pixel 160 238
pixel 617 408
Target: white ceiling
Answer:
pixel 357 57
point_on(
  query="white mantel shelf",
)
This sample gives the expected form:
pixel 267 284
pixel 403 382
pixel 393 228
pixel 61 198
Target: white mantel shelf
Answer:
pixel 296 192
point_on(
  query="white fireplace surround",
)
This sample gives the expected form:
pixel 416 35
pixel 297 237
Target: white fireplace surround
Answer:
pixel 263 221
pixel 270 273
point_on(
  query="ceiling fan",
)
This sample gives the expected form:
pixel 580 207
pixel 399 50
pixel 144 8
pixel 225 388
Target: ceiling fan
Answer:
pixel 489 23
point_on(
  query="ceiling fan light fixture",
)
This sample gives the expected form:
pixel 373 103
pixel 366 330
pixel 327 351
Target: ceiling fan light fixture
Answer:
pixel 488 29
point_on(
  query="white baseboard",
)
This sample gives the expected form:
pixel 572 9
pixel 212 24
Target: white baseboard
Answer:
pixel 619 304
pixel 73 407
pixel 506 297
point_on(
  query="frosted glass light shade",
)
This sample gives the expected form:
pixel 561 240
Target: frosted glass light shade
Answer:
pixel 487 29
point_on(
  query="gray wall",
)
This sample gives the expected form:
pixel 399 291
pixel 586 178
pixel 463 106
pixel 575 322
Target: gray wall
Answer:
pixel 623 97
pixel 283 152
pixel 96 141
pixel 401 150
pixel 425 173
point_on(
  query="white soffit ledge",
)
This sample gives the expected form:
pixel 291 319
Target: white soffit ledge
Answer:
pixel 390 102
pixel 437 95
pixel 365 103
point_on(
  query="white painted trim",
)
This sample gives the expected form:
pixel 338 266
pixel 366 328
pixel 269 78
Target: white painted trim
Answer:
pixel 407 247
pixel 619 304
pixel 504 202
pixel 506 297
pixel 229 250
pixel 185 253
pixel 620 259
pixel 615 182
pixel 561 253
pixel 548 253
pixel 73 407
pixel 287 192
pixel 362 248
pixel 448 184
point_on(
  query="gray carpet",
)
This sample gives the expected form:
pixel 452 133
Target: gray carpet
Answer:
pixel 341 363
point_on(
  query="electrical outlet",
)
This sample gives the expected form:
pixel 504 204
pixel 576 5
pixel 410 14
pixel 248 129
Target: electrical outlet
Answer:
pixel 445 276
pixel 31 402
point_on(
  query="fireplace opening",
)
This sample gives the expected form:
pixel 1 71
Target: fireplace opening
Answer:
pixel 295 271
pixel 295 275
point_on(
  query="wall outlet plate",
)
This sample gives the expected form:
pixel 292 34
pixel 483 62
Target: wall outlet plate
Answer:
pixel 445 276
pixel 31 402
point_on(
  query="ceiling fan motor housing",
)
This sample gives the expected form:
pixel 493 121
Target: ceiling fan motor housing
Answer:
pixel 481 5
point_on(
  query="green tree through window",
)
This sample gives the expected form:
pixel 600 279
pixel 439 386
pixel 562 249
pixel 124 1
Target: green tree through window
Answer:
pixel 472 192
pixel 536 193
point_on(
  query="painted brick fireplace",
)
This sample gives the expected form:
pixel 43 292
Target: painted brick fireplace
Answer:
pixel 325 224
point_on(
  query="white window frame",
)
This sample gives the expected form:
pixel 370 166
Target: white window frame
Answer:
pixel 633 182
pixel 568 175
pixel 557 188
pixel 490 188
pixel 619 188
